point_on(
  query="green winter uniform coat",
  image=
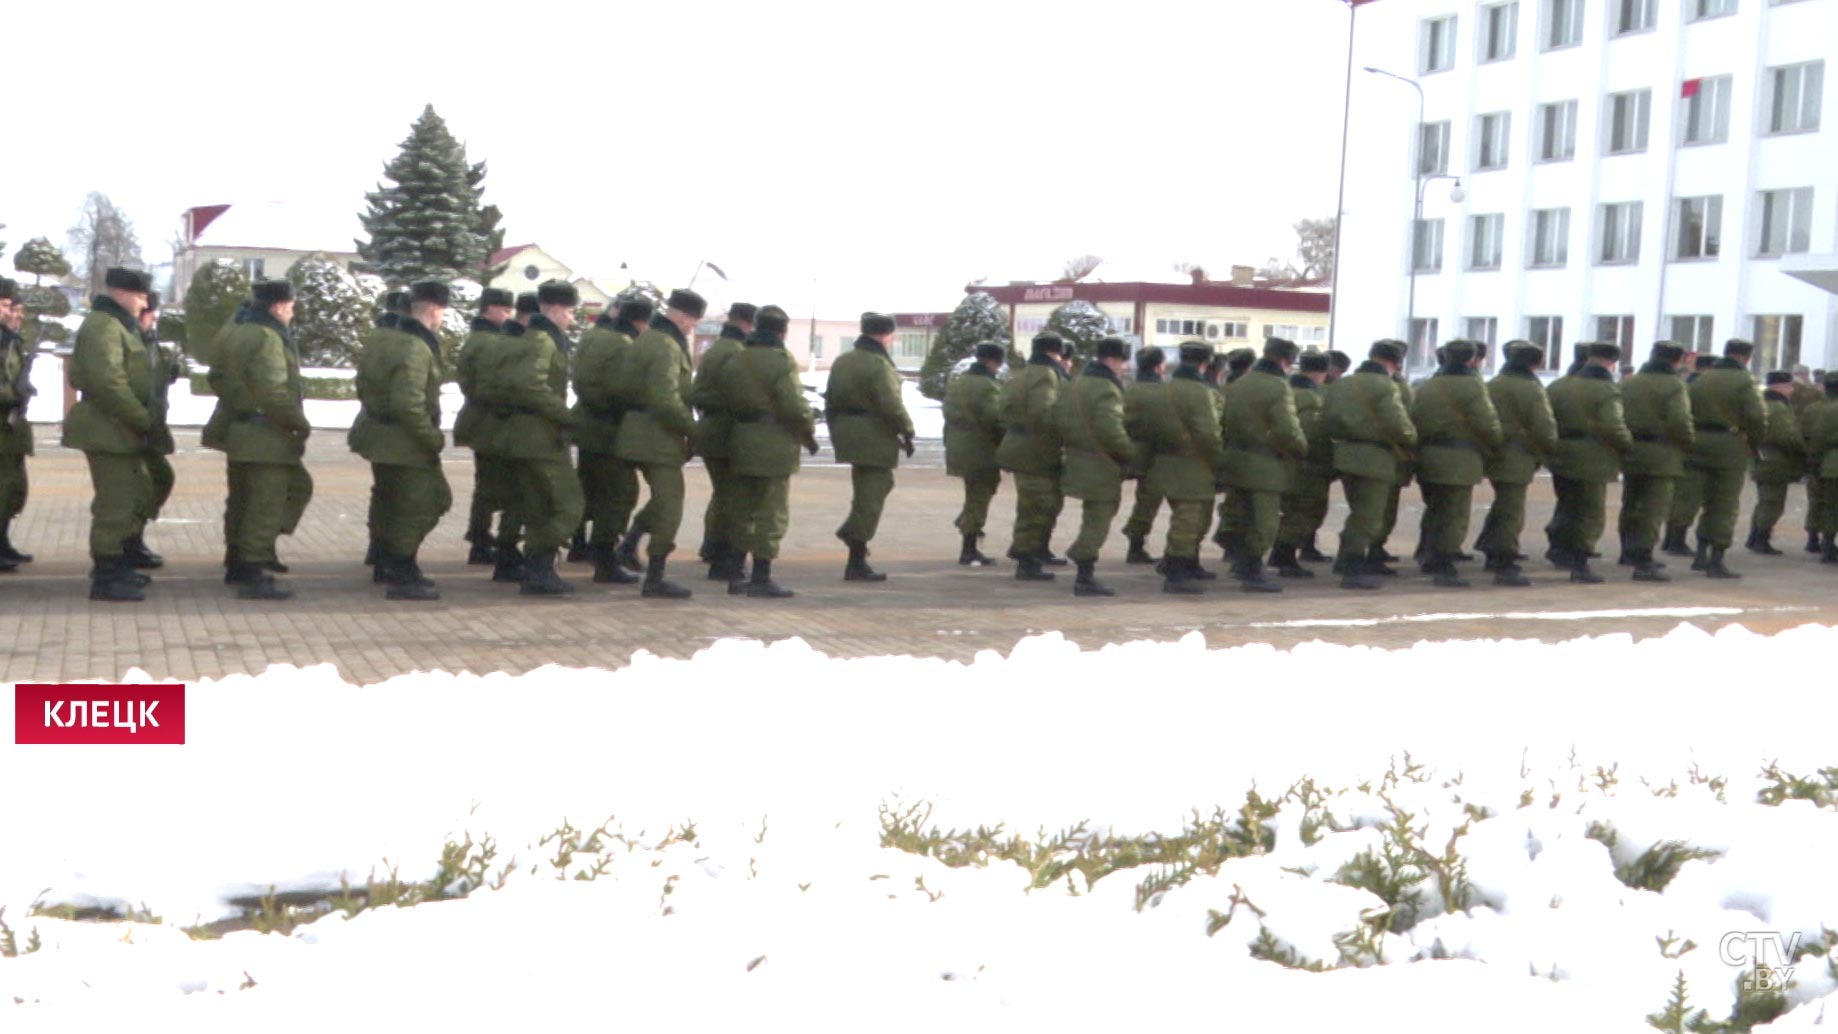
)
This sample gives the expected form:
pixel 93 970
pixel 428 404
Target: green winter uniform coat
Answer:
pixel 1030 441
pixel 1781 458
pixel 259 390
pixel 863 408
pixel 15 394
pixel 973 422
pixel 1182 433
pixel 1658 412
pixel 1308 395
pixel 1365 415
pixel 1592 433
pixel 759 391
pixel 1457 427
pixel 1089 416
pixel 595 364
pixel 1263 437
pixel 110 369
pixel 474 351
pixel 1729 414
pixel 714 427
pixel 1141 398
pixel 1821 426
pixel 527 388
pixel 1527 428
pixel 658 425
pixel 398 383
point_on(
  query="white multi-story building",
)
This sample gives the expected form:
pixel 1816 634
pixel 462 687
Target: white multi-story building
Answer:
pixel 1594 170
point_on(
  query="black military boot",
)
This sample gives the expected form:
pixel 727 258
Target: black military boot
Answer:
pixel 1181 579
pixel 1828 549
pixel 762 587
pixel 1139 550
pixel 1646 569
pixel 539 577
pixel 1675 544
pixel 1283 558
pixel 109 581
pixel 1703 558
pixel 1762 542
pixel 1508 575
pixel 656 587
pixel 970 556
pixel 577 547
pixel 1443 573
pixel 714 554
pixel 135 549
pixel 857 569
pixel 1028 569
pixel 1087 583
pixel 1198 573
pixel 1580 572
pixel 1353 574
pixel 1813 544
pixel 1626 559
pixel 482 552
pixel 510 566
pixel 1308 554
pixel 405 580
pixel 1049 558
pixel 411 567
pixel 8 553
pixel 1251 577
pixel 607 568
pixel 1714 568
pixel 737 574
pixel 373 554
pixel 1376 559
pixel 8 566
pixel 253 582
pixel 627 553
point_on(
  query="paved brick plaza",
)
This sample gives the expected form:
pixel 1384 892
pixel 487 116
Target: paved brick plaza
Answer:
pixel 192 626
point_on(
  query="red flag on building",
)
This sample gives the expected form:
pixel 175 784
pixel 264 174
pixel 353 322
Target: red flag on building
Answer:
pixel 1690 88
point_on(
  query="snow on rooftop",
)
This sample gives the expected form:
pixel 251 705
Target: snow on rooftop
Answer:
pixel 284 226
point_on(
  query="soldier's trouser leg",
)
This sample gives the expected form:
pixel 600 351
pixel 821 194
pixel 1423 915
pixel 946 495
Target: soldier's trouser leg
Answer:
pixel 377 514
pixel 299 494
pixel 1095 518
pixel 272 496
pixel 1505 521
pixel 1814 488
pixel 1187 520
pixel 1231 522
pixel 1645 503
pixel 663 513
pixel 1142 513
pixel 1770 503
pixel 979 489
pixel 13 485
pixel 1037 502
pixel 1254 516
pixel 122 491
pixel 232 503
pixel 1449 510
pixel 418 498
pixel 761 513
pixel 717 516
pixel 478 516
pixel 1559 531
pixel 1303 510
pixel 1687 499
pixel 1389 520
pixel 871 486
pixel 580 477
pixel 551 502
pixel 1826 523
pixel 160 480
pixel 1586 514
pixel 1365 514
pixel 611 489
pixel 1722 498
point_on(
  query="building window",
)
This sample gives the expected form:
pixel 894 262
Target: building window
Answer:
pixel 1301 335
pixel 1557 132
pixel 1424 338
pixel 253 268
pixel 1030 324
pixel 531 272
pixel 816 346
pixel 1702 9
pixel 1433 149
pixel 1236 330
pixel 1563 21
pixel 1550 238
pixel 1426 247
pixel 1706 110
pixel 1547 332
pixel 1121 324
pixel 1491 140
pixel 1438 45
pixel 1620 233
pixel 1627 121
pixel 1485 329
pixel 1777 342
pixel 1635 15
pixel 1786 222
pixel 1616 330
pixel 1797 88
pixel 1484 240
pixel 912 346
pixel 1699 222
pixel 1694 332
pixel 1499 31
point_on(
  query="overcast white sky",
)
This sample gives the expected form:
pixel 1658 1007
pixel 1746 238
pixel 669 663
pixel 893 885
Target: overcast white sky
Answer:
pixel 846 155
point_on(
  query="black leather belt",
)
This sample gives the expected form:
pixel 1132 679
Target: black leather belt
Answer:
pixel 1715 427
pixel 1454 443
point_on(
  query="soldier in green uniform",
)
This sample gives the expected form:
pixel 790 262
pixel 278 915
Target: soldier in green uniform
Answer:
pixel 1185 452
pixel 1457 430
pixel 1098 452
pixel 398 432
pixel 868 428
pixel 1142 396
pixel 1338 363
pixel 1305 504
pixel 1406 472
pixel 489 483
pixel 527 308
pixel 655 431
pixel 718 550
pixel 1030 451
pixel 1780 462
pixel 973 431
pixel 1820 424
pixel 166 370
pixel 1731 425
pixel 1806 394
pixel 16 393
pixel 1365 415
pixel 1529 432
pixel 1658 414
pixel 1592 438
pixel 762 396
pixel 611 486
pixel 1263 440
pixel 395 311
pixel 110 369
pixel 260 392
pixel 1688 492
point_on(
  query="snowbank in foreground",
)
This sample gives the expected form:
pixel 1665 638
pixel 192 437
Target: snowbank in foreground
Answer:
pixel 744 876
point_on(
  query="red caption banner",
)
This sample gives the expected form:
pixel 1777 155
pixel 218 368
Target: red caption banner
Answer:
pixel 67 713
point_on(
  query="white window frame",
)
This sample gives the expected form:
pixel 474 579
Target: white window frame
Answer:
pixel 1425 335
pixel 1704 10
pixel 1634 16
pixel 1548 239
pixel 1699 335
pixel 1638 105
pixel 1486 248
pixel 1439 132
pixel 1551 339
pixel 1437 45
pixel 1426 246
pixel 1794 227
pixel 816 346
pixel 1619 221
pixel 1697 228
pixel 1485 329
pixel 1771 351
pixel 1499 28
pixel 1795 97
pixel 1492 140
pixel 1563 24
pixel 1616 330
pixel 1711 104
pixel 1557 131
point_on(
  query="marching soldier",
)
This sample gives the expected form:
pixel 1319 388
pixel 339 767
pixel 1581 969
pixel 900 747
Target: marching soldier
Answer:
pixel 973 431
pixel 1821 427
pixel 389 321
pixel 1806 394
pixel 718 550
pixel 1030 451
pixel 1263 439
pixel 490 484
pixel 1658 413
pixel 110 367
pixel 398 432
pixel 1457 428
pixel 760 392
pixel 1186 453
pixel 1688 492
pixel 1780 461
pixel 1529 432
pixel 868 428
pixel 609 484
pixel 166 370
pixel 265 437
pixel 1305 504
pixel 1238 362
pixel 655 432
pixel 16 393
pixel 1143 395
pixel 1731 424
pixel 1089 417
pixel 528 307
pixel 1338 363
pixel 1365 415
pixel 1592 437
pixel 1406 472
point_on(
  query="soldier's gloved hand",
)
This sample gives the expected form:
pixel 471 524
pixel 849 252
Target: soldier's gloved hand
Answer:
pixel 906 442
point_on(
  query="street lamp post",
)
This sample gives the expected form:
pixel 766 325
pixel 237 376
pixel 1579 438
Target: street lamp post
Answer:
pixel 1456 195
pixel 1417 163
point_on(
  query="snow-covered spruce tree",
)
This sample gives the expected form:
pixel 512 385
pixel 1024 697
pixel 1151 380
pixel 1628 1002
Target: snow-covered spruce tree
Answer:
pixel 330 311
pixel 426 222
pixel 44 307
pixel 488 229
pixel 977 319
pixel 216 290
pixel 1082 325
pixel 41 258
pixel 458 321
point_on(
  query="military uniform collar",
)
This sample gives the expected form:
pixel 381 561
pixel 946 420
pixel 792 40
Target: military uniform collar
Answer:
pixel 1148 378
pixel 1097 369
pixel 1373 366
pixel 868 344
pixel 733 333
pixel 1454 370
pixel 414 328
pixel 662 322
pixel 761 339
pixel 1186 372
pixel 1269 366
pixel 1724 362
pixel 484 325
pixel 1774 396
pixel 978 369
pixel 1595 373
pixel 544 323
pixel 106 305
pixel 1300 380
pixel 389 321
pixel 1517 370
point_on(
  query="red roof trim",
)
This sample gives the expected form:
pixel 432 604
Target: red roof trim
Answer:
pixel 506 254
pixel 1217 295
pixel 202 216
